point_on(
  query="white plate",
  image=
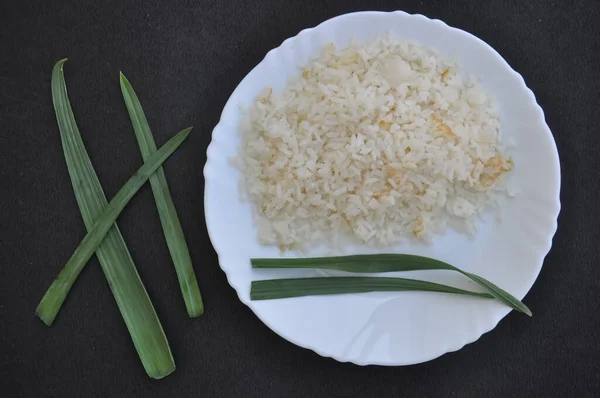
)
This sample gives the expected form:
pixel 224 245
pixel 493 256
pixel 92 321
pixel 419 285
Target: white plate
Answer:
pixel 409 327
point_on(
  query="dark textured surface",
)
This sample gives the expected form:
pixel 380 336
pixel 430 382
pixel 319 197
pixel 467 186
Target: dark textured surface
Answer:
pixel 185 58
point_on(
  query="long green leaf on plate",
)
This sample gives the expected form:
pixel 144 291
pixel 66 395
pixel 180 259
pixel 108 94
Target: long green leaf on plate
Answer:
pixel 164 203
pixel 375 263
pixel 296 287
pixel 124 281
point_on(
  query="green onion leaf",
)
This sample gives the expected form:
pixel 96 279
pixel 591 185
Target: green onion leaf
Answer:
pixel 376 263
pixel 124 281
pixel 297 287
pixel 164 203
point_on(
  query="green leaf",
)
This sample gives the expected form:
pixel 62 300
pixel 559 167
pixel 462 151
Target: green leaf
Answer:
pixel 376 263
pixel 297 287
pixel 127 288
pixel 164 203
pixel 59 289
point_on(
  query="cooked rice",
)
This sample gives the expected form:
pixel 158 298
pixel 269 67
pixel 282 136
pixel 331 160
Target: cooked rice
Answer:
pixel 375 143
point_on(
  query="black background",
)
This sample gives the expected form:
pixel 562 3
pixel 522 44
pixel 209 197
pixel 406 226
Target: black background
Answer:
pixel 184 59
